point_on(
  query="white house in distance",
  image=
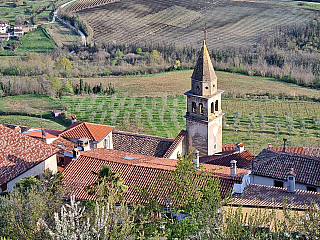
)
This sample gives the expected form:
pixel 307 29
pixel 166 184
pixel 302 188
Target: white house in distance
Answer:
pixel 22 156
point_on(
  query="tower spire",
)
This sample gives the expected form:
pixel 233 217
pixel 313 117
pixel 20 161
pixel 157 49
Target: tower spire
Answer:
pixel 205 33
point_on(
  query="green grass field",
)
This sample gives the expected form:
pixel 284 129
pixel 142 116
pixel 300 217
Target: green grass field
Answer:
pixel 31 121
pixel 35 41
pixel 163 116
pixel 178 82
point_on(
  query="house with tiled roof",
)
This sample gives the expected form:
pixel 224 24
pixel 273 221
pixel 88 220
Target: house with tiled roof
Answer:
pixel 136 169
pixel 271 168
pixel 262 196
pixel 309 151
pixel 89 135
pixel 242 157
pixel 22 156
pixel 150 145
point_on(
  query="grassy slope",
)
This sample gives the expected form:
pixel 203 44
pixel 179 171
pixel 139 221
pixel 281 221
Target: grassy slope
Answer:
pixel 31 121
pixel 62 35
pixel 35 41
pixel 178 82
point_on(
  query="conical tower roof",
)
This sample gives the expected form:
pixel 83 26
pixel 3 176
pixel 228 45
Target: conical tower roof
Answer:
pixel 203 70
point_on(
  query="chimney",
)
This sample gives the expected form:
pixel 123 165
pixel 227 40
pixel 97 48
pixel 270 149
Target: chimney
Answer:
pixel 76 154
pixel 269 145
pixel 291 178
pixel 284 145
pixel 73 118
pixel 240 147
pixel 196 158
pixel 233 168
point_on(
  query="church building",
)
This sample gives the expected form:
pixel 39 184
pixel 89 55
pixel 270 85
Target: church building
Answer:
pixel 204 113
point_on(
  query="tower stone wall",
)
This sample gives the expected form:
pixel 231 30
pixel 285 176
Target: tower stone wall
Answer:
pixel 204 113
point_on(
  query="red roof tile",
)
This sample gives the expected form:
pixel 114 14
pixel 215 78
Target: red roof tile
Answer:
pixel 141 171
pixel 309 151
pixel 38 134
pixel 244 159
pixel 18 153
pixel 64 145
pixel 92 131
pixel 265 196
pixel 141 144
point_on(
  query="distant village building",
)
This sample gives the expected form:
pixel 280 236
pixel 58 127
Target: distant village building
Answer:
pixel 17 31
pixel 3 27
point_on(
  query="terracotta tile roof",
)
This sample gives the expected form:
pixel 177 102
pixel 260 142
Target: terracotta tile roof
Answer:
pixel 141 144
pixel 92 131
pixel 64 145
pixel 26 128
pixel 309 151
pixel 276 165
pixel 244 159
pixel 18 153
pixel 141 171
pixel 175 143
pixel 228 147
pixel 266 196
pixel 38 134
pixel 203 70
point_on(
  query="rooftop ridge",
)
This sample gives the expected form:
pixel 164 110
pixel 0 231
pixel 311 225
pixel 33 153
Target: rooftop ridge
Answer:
pixel 176 141
pixel 143 135
pixel 285 189
pixel 85 124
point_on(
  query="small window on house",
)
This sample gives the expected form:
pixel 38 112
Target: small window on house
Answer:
pixel 4 187
pixel 212 107
pixel 290 178
pixel 194 107
pixel 206 87
pixel 216 105
pixel 201 108
pixel 278 184
pixel 198 89
pixel 312 189
pixel 215 146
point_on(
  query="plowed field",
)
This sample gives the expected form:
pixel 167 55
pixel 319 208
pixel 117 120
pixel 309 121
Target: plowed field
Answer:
pixel 229 23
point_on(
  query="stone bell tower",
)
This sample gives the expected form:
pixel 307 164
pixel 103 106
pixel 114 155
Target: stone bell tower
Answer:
pixel 204 114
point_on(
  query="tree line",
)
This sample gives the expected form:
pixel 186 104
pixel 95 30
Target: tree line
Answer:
pixel 289 54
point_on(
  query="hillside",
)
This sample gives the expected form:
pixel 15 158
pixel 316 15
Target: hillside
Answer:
pixel 229 23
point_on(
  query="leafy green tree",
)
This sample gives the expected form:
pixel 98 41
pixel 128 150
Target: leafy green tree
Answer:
pixel 138 50
pixel 19 19
pixel 109 186
pixel 69 86
pixel 82 90
pixel 65 64
pixel 56 84
pixel 118 54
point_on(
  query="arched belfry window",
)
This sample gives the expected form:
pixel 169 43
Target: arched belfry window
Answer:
pixel 212 107
pixel 216 106
pixel 194 107
pixel 200 108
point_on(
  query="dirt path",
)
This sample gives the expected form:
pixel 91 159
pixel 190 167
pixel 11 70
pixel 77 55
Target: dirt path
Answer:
pixel 55 16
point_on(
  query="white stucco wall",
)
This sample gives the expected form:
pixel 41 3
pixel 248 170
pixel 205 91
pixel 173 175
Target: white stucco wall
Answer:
pixel 50 163
pixel 270 182
pixel 239 187
pixel 181 149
